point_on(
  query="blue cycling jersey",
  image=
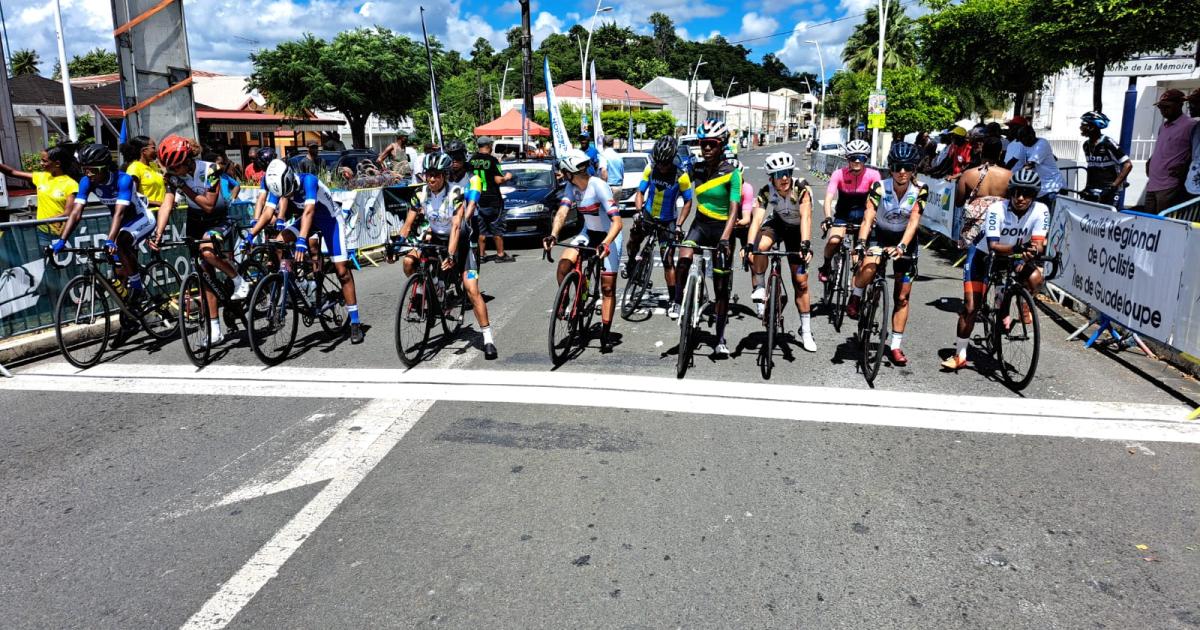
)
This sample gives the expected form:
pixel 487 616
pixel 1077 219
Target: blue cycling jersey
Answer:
pixel 118 190
pixel 311 190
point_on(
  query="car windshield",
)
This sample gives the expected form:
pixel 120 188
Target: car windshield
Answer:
pixel 634 164
pixel 525 177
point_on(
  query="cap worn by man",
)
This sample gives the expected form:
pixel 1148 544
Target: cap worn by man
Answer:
pixel 1194 95
pixel 1017 121
pixel 484 141
pixel 1170 96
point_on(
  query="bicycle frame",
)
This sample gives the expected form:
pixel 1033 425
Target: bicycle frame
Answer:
pixel 91 269
pixel 587 265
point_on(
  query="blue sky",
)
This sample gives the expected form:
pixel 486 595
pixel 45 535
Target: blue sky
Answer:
pixel 223 32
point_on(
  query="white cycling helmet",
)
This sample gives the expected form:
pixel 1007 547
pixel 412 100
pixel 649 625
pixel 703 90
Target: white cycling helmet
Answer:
pixel 281 179
pixel 574 161
pixel 858 147
pixel 781 161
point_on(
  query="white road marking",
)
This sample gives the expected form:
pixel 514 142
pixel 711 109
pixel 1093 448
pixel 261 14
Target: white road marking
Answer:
pixel 395 418
pixel 1060 418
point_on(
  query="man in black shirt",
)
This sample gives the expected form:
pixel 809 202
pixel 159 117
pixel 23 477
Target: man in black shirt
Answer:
pixel 1108 166
pixel 312 161
pixel 489 213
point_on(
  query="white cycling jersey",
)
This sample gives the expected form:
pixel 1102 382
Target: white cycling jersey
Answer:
pixel 1003 226
pixel 892 212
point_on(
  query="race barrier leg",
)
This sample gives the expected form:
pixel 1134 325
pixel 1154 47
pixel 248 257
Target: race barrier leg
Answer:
pixel 4 372
pixel 1105 324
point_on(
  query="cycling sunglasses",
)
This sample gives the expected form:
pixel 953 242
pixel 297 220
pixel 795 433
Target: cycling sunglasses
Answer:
pixel 1030 193
pixel 857 157
pixel 708 144
pixel 907 167
pixel 784 173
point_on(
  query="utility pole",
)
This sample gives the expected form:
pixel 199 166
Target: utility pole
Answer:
pixel 68 97
pixel 9 153
pixel 883 13
pixel 526 59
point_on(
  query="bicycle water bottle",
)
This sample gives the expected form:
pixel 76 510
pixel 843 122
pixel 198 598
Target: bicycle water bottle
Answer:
pixel 121 288
pixel 309 288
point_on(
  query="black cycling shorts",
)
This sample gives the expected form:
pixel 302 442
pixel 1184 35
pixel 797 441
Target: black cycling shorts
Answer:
pixel 906 268
pixel 780 231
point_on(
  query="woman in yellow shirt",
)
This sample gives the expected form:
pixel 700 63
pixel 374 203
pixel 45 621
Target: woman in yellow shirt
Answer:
pixel 140 153
pixel 56 183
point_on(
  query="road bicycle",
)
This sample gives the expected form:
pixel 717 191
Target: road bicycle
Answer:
pixel 575 304
pixel 692 306
pixel 431 295
pixel 638 286
pixel 308 289
pixel 87 305
pixel 875 317
pixel 1011 327
pixel 773 309
pixel 195 322
pixel 836 290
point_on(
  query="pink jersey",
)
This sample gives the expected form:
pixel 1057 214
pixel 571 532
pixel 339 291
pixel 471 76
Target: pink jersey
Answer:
pixel 747 199
pixel 859 183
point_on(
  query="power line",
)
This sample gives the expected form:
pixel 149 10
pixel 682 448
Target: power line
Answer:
pixel 811 26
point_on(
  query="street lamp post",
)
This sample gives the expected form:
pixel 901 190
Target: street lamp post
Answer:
pixel 503 80
pixel 691 90
pixel 583 59
pixel 725 103
pixel 883 11
pixel 821 61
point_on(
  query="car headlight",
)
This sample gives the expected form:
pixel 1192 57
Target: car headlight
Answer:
pixel 533 208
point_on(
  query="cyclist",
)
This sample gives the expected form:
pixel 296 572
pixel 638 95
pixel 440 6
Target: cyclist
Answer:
pixel 198 182
pixel 894 209
pixel 718 193
pixel 663 182
pixel 131 219
pixel 1016 225
pixel 601 229
pixel 783 213
pixel 850 185
pixel 1108 166
pixel 285 188
pixel 470 183
pixel 444 206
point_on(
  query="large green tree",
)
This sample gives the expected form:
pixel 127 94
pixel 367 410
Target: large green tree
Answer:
pixel 93 62
pixel 24 61
pixel 360 72
pixel 861 53
pixel 1092 34
pixel 915 101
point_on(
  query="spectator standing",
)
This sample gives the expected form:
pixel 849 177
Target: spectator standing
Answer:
pixel 141 154
pixel 979 188
pixel 614 167
pixel 489 213
pixel 1192 183
pixel 595 166
pixel 1030 151
pixel 57 183
pixel 397 152
pixel 1172 155
pixel 312 161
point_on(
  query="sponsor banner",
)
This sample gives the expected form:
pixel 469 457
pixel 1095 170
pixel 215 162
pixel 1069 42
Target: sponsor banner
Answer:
pixel 1187 316
pixel 877 110
pixel 598 128
pixel 939 214
pixel 558 130
pixel 1126 266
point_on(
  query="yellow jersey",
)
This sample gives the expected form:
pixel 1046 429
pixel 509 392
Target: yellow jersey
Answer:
pixel 52 194
pixel 150 181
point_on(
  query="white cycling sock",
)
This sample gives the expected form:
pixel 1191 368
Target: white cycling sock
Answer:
pixel 960 347
pixel 858 292
pixel 894 344
pixel 806 322
pixel 214 329
pixel 487 335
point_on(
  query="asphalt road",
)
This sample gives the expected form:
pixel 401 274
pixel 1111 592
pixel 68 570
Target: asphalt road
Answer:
pixel 341 491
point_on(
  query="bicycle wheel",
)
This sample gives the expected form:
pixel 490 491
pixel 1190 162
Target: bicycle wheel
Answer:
pixel 194 320
pixel 564 319
pixel 159 309
pixel 412 326
pixel 838 314
pixel 638 283
pixel 686 324
pixel 331 305
pixel 273 319
pixel 1017 341
pixel 83 320
pixel 451 309
pixel 874 325
pixel 774 325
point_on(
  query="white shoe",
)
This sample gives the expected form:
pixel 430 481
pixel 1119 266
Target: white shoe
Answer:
pixel 806 342
pixel 212 342
pixel 759 295
pixel 241 289
pixel 673 311
pixel 721 351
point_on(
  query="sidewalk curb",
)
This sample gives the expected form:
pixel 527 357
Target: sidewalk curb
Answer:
pixel 28 346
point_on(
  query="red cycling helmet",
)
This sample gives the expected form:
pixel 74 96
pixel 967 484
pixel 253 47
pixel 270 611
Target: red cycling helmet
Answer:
pixel 173 151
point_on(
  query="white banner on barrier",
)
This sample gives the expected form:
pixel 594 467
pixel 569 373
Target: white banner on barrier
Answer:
pixel 938 215
pixel 1187 319
pixel 1125 266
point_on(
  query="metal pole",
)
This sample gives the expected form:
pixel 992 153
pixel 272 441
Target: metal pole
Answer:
pixel 821 61
pixel 9 152
pixel 883 11
pixel 691 95
pixel 526 59
pixel 583 65
pixel 503 80
pixel 68 98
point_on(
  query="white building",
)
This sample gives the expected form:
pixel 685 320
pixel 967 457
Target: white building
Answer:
pixel 686 100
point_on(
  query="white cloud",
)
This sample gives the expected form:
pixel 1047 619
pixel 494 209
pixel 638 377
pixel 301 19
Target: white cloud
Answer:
pixel 801 56
pixel 545 25
pixel 755 26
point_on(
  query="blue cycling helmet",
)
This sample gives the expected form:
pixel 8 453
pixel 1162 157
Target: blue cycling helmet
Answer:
pixel 904 153
pixel 1096 119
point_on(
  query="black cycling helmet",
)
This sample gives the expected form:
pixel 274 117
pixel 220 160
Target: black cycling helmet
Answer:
pixel 95 156
pixel 665 150
pixel 903 153
pixel 263 156
pixel 456 149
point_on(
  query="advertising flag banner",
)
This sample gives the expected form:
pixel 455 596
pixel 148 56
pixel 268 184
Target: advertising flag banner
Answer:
pixel 598 134
pixel 433 94
pixel 558 129
pixel 877 110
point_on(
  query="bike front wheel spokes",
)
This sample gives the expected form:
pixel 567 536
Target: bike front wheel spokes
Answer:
pixel 1016 336
pixel 687 326
pixel 331 305
pixel 842 289
pixel 194 320
pixel 83 320
pixel 273 319
pixel 159 311
pixel 874 326
pixel 565 316
pixel 774 325
pixel 412 326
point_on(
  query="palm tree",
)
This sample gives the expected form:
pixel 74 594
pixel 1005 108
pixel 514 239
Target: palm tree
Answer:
pixel 900 48
pixel 24 61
